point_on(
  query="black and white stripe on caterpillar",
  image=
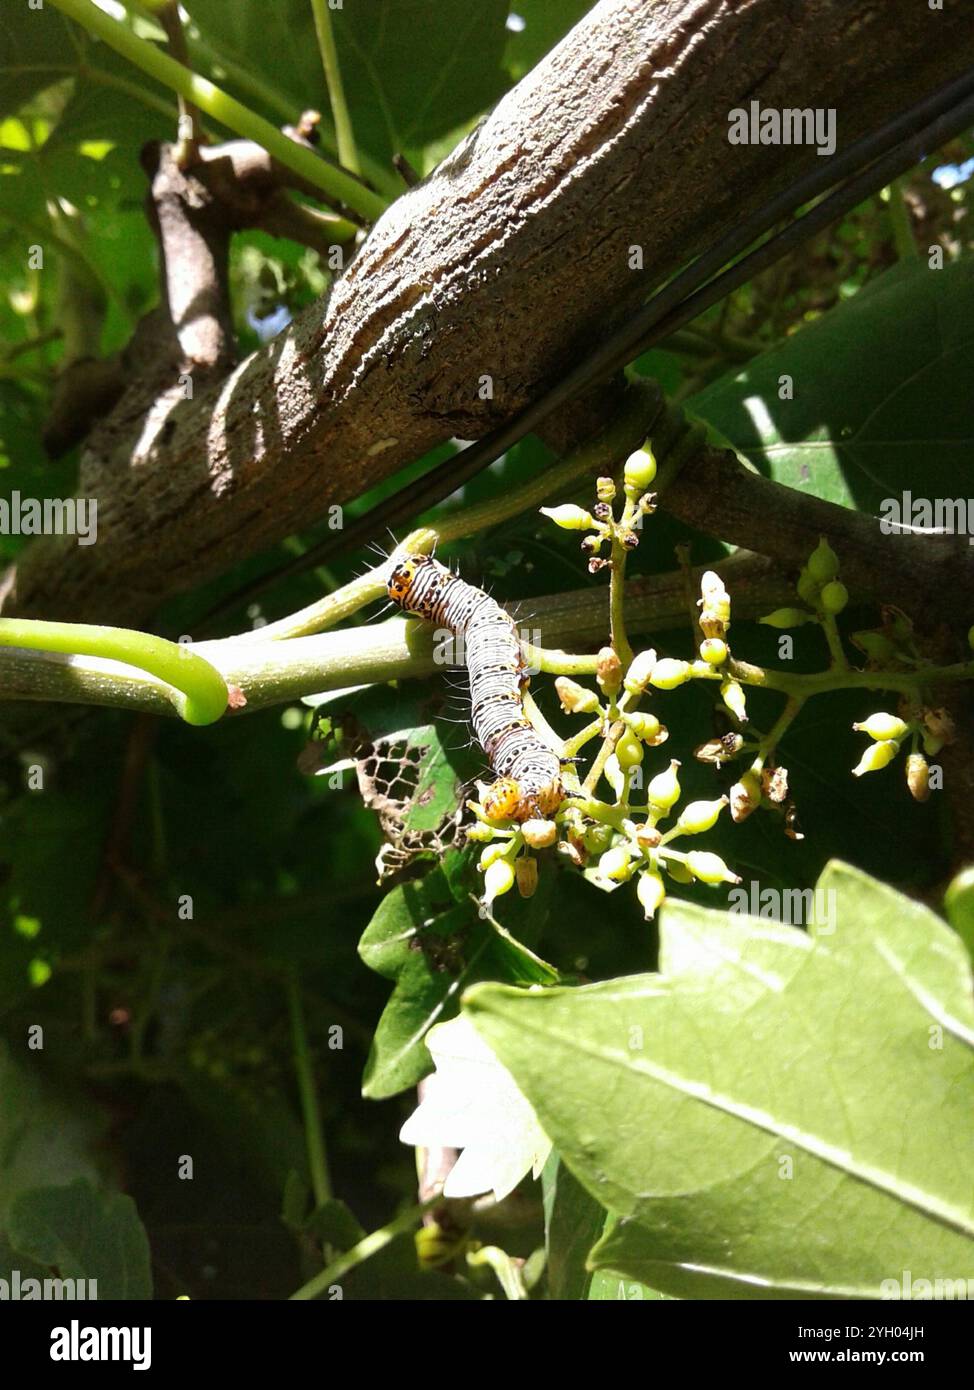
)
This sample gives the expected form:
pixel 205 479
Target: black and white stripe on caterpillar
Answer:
pixel 528 773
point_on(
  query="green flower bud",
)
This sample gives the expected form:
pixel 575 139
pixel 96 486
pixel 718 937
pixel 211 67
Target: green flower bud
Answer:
pixel 876 645
pixel 498 879
pixel 823 563
pixel 494 852
pixel 640 470
pixel 616 864
pixel 569 517
pixel 637 677
pixel 698 816
pixel 664 789
pixel 669 672
pixel 807 587
pixel 605 489
pixel 479 831
pixel 713 650
pixel 882 726
pixel 629 750
pixel 650 890
pixel 575 699
pixel 709 868
pixel 597 838
pixel 644 726
pixel 539 834
pixel 786 617
pixel 834 597
pixel 733 697
pixel 614 775
pixel 876 756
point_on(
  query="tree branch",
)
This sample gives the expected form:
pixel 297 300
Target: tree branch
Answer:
pixel 495 270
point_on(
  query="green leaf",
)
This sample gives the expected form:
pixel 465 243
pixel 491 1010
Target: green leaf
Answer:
pixel 882 391
pixel 84 1234
pixel 774 1114
pixel 959 902
pixel 411 69
pixel 46 1137
pixel 573 1222
pixel 427 936
pixel 37 50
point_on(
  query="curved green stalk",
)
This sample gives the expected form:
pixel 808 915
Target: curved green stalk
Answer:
pixel 220 106
pixel 201 692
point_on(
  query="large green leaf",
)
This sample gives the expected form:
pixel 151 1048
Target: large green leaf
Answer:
pixel 411 69
pixel 775 1114
pixel 882 386
pixel 38 49
pixel 84 1234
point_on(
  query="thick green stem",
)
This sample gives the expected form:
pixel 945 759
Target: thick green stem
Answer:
pixel 222 107
pixel 347 152
pixel 199 692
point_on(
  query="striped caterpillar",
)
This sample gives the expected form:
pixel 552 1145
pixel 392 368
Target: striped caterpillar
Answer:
pixel 528 773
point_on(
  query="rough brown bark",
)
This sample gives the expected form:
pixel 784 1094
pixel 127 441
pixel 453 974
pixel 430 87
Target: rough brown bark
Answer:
pixel 508 261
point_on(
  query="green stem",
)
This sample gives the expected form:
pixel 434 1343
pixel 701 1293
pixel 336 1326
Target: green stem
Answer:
pixel 770 741
pixel 617 591
pixel 840 662
pixel 541 726
pixel 899 216
pixel 572 746
pixel 347 153
pixel 555 663
pixel 367 1247
pixel 310 1109
pixel 602 757
pixel 200 692
pixel 220 106
pixel 640 408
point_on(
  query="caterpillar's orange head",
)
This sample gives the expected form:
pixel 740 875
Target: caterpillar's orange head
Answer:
pixel 502 800
pixel 401 581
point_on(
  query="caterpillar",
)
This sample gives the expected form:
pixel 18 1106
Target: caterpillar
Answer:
pixel 528 774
